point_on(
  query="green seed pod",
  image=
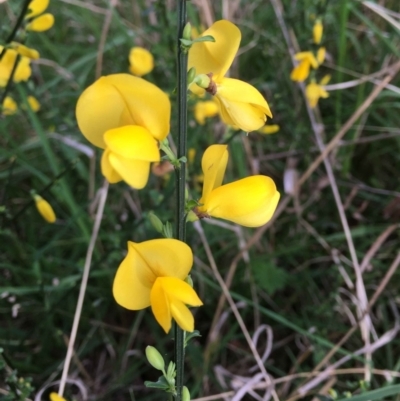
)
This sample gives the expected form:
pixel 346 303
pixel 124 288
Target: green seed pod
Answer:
pixel 203 81
pixel 155 358
pixel 185 394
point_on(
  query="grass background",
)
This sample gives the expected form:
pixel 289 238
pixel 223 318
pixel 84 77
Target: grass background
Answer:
pixel 292 278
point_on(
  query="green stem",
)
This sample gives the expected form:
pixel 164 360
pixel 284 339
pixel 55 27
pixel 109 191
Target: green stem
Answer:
pixel 181 180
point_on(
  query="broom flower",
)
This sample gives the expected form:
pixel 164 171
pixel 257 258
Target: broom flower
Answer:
pixel 250 202
pixel 240 104
pixel 153 274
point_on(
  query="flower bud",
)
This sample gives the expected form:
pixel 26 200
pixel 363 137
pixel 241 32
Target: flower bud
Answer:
pixel 156 222
pixel 189 280
pixel 185 394
pixel 203 81
pixel 187 31
pixel 155 358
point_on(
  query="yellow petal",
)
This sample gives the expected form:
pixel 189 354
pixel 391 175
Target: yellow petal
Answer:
pixel 321 55
pixel 317 31
pixel 9 106
pixel 170 296
pixel 42 23
pixel 301 71
pixel 134 172
pixel 249 202
pixel 141 61
pixel 269 129
pixel 122 99
pixel 167 257
pixel 132 142
pixel 325 80
pixel 33 103
pixel 45 209
pixel 23 71
pixel 25 51
pixel 216 57
pixel 309 56
pixel 56 397
pixel 213 164
pixel 37 7
pixel 160 306
pixel 133 282
pixel 243 104
pixel 203 110
pixel 108 170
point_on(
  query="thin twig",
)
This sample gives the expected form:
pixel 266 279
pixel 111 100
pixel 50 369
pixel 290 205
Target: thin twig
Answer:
pixel 86 269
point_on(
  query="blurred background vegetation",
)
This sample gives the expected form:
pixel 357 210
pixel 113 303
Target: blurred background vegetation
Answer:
pixel 297 277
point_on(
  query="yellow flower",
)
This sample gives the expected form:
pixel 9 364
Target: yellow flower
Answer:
pixel 44 208
pixel 9 106
pixel 39 23
pixel 302 70
pixel 23 71
pixel 152 274
pixel 315 91
pixel 203 110
pixel 141 61
pixel 317 31
pixel 240 104
pixel 33 103
pixel 191 155
pixel 25 51
pixel 250 202
pixel 126 116
pixel 269 129
pixel 56 397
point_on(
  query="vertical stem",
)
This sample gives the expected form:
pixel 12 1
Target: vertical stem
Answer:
pixel 180 174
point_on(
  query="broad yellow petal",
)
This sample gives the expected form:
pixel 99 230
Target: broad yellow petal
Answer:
pixel 249 202
pixel 37 7
pixel 213 164
pixel 321 53
pixel 10 107
pixel 178 289
pixel 42 23
pixel 33 103
pixel 133 282
pixel 242 105
pixel 269 129
pixel 203 110
pixel 216 57
pixel 122 99
pixel 108 170
pixel 25 51
pixel 182 315
pixel 132 142
pixel 166 257
pixel 134 172
pixel 141 61
pixel 160 305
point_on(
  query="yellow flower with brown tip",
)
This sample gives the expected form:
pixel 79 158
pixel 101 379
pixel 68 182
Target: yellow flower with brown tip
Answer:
pixel 153 274
pixel 126 116
pixel 39 22
pixel 205 109
pixel 141 61
pixel 9 106
pixel 250 202
pixel 44 208
pixel 318 29
pixel 240 104
pixel 22 72
pixel 301 72
pixel 315 91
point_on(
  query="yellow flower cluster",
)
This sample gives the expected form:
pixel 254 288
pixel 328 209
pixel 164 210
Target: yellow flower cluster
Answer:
pixel 129 118
pixel 308 60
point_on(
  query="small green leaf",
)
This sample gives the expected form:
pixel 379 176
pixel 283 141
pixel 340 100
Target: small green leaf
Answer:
pixel 186 42
pixel 161 384
pixel 207 38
